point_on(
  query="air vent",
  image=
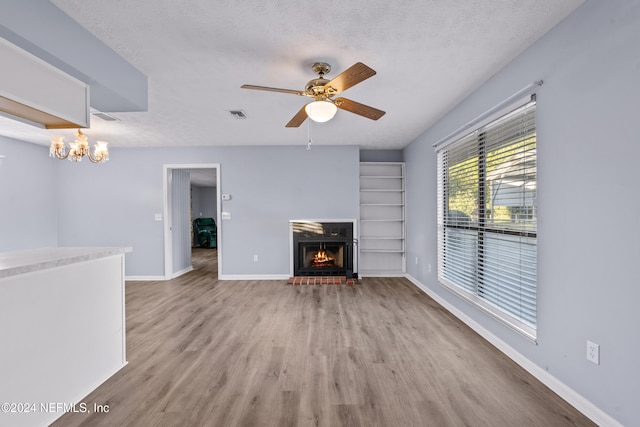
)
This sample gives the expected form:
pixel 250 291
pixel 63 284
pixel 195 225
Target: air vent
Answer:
pixel 238 114
pixel 105 116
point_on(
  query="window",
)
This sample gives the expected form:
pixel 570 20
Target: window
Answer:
pixel 487 217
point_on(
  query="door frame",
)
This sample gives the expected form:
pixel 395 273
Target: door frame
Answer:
pixel 166 192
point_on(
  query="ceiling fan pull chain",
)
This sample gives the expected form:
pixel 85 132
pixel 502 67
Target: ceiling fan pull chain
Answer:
pixel 308 135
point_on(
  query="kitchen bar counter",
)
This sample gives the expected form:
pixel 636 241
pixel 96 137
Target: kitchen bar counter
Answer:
pixel 26 261
pixel 62 333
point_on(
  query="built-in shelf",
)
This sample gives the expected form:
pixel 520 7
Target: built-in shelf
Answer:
pixel 382 219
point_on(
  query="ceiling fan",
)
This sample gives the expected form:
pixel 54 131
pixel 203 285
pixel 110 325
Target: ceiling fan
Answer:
pixel 324 107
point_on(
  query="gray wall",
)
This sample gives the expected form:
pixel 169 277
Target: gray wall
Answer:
pixel 114 203
pixel 28 209
pixel 381 156
pixel 203 202
pixel 588 249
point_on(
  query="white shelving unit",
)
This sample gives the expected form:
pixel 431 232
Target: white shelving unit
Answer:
pixel 382 219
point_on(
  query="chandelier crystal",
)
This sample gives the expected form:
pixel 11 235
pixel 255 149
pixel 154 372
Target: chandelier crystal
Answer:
pixel 79 149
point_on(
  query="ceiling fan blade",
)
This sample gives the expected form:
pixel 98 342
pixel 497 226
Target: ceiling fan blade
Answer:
pixel 272 89
pixel 351 77
pixel 357 108
pixel 298 119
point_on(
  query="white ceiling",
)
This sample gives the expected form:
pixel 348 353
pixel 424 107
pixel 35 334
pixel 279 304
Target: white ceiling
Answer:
pixel 203 177
pixel 428 54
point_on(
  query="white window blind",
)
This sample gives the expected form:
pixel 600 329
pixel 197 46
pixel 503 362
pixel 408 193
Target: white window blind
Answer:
pixel 487 219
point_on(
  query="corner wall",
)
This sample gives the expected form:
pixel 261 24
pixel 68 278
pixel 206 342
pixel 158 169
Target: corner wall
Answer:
pixel 28 190
pixel 588 150
pixel 204 203
pixel 114 204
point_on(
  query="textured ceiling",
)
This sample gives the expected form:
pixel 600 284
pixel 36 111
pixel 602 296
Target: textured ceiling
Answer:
pixel 428 54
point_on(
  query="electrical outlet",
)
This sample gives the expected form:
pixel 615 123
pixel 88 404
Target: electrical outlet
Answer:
pixel 593 352
pixel 429 268
pixel 416 260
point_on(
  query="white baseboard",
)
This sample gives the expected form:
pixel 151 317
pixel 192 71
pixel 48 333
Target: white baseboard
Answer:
pixel 574 398
pixel 84 393
pixel 158 278
pixel 181 272
pixel 222 277
pixel 381 274
pixel 144 278
pixel 254 277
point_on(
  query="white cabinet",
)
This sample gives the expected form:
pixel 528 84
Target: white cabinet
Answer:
pixel 382 219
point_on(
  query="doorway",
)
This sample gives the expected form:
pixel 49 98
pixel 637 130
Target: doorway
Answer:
pixel 177 190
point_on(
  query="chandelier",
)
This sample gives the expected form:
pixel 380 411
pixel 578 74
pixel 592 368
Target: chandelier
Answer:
pixel 78 149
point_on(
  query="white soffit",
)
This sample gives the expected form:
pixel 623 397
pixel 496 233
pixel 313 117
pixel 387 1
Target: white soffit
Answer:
pixel 36 92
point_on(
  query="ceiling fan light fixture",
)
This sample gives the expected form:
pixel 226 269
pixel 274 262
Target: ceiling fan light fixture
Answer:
pixel 321 111
pixel 323 108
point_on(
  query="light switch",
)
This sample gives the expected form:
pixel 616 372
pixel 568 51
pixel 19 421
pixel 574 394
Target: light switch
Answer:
pixel 226 215
pixel 226 197
pixel 157 217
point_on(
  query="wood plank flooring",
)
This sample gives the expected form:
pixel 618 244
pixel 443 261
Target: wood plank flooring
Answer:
pixel 204 352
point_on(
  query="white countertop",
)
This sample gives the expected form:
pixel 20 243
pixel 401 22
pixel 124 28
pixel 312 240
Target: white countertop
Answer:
pixel 27 261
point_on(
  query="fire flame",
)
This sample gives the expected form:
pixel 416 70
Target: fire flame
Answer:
pixel 321 258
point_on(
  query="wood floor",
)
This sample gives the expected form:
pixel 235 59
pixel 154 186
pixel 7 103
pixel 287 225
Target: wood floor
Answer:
pixel 204 352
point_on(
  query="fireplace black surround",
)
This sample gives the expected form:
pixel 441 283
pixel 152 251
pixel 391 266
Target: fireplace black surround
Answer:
pixel 323 249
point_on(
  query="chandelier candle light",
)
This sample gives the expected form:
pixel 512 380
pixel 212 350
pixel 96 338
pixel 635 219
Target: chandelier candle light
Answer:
pixel 78 149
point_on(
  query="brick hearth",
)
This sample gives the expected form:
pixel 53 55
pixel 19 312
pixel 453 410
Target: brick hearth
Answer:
pixel 321 280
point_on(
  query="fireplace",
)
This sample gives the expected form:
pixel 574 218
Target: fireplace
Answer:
pixel 322 248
